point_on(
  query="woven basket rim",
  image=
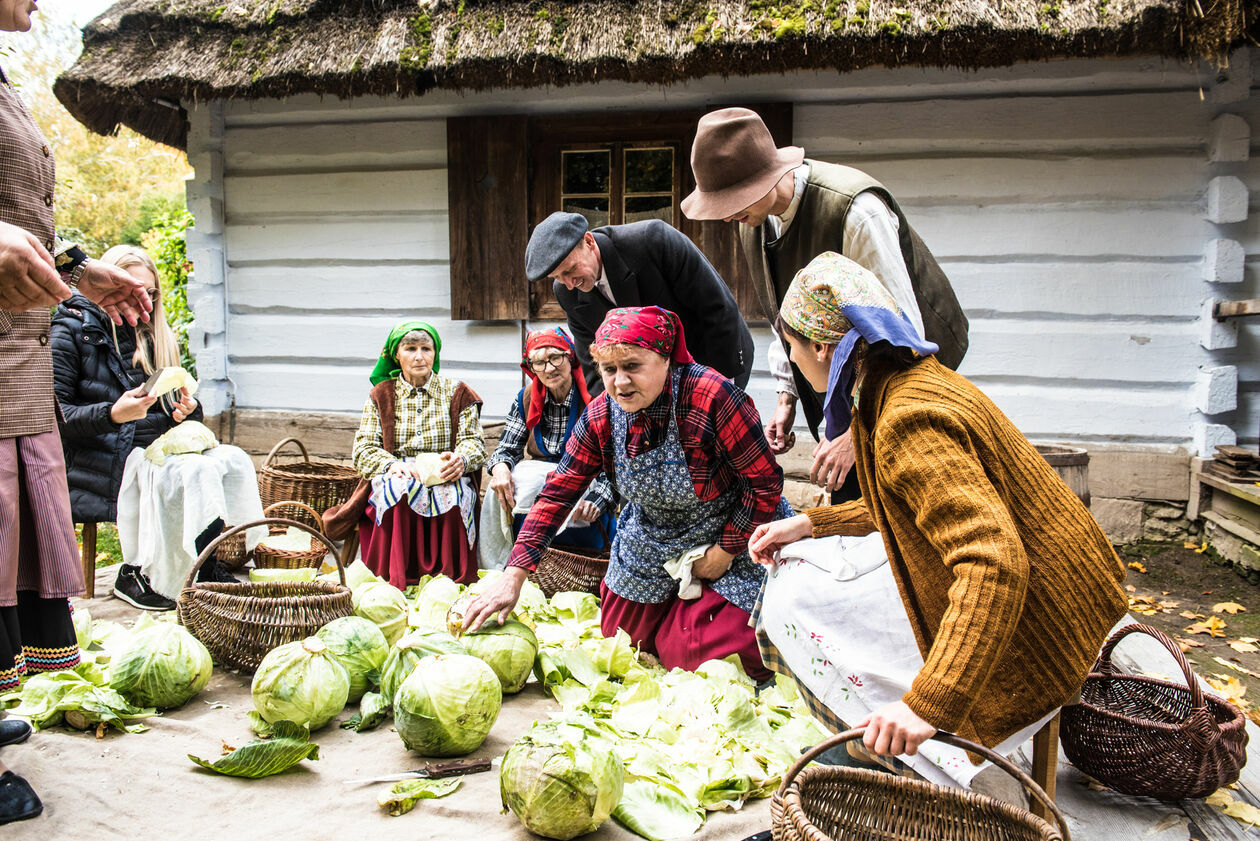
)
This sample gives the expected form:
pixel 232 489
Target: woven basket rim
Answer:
pixel 1237 718
pixel 229 591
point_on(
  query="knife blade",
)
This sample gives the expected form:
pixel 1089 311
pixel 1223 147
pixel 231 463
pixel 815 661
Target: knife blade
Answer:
pixel 431 771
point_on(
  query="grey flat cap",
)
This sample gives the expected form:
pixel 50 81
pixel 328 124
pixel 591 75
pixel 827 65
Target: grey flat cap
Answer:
pixel 551 242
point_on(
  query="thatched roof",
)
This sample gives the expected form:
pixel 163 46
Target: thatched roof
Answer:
pixel 143 57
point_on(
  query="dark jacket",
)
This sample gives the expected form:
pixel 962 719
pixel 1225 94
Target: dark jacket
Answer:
pixel 89 374
pixel 653 264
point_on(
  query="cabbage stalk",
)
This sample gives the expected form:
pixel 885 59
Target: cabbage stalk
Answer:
pixel 300 682
pixel 447 705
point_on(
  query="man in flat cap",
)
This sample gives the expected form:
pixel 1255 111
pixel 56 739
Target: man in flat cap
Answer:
pixel 641 264
pixel 789 210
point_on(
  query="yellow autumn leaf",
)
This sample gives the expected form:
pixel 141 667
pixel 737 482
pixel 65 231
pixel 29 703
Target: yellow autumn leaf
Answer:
pixel 1228 607
pixel 1137 565
pixel 1186 644
pixel 1236 809
pixel 101 557
pixel 1190 614
pixel 1202 548
pixel 1189 544
pixel 1243 647
pixel 1212 626
pixel 1230 688
pixel 1235 667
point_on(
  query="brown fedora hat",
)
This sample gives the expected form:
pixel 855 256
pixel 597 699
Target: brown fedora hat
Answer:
pixel 735 163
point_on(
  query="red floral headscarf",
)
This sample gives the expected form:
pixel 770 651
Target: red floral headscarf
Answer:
pixel 556 338
pixel 656 329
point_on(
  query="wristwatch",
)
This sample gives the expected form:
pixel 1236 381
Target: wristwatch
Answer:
pixel 76 274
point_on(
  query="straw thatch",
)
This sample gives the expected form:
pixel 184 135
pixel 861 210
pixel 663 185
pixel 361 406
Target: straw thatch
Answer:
pixel 143 57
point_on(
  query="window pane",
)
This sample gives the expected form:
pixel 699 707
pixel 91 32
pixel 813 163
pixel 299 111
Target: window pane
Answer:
pixel 585 172
pixel 649 170
pixel 595 210
pixel 650 207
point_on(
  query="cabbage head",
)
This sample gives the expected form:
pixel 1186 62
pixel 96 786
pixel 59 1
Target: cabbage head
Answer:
pixel 300 682
pixel 447 705
pixel 161 666
pixel 561 781
pixel 410 650
pixel 82 626
pixel 509 649
pixel 359 647
pixel 384 605
pixel 434 601
pixel 187 437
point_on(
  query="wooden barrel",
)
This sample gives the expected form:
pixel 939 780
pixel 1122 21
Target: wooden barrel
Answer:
pixel 1072 464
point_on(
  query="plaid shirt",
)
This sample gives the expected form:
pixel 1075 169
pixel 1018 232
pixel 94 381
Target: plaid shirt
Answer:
pixel 422 424
pixel 555 420
pixel 721 435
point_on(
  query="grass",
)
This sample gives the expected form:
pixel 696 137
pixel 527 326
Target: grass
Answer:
pixel 108 552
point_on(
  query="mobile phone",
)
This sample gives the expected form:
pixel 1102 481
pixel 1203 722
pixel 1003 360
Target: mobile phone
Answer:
pixel 152 381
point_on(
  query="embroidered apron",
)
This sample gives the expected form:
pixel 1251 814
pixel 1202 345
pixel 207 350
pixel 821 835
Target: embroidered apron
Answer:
pixel 661 517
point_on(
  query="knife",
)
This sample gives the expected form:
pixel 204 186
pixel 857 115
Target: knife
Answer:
pixel 432 771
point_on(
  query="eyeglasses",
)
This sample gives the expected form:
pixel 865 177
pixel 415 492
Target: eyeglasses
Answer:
pixel 552 359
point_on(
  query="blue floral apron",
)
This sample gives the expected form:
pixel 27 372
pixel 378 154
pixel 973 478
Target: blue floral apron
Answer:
pixel 661 517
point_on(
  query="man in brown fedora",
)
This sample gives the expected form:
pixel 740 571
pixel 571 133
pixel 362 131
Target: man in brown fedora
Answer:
pixel 790 210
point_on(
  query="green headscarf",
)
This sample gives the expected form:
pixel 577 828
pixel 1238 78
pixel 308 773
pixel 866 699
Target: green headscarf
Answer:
pixel 387 366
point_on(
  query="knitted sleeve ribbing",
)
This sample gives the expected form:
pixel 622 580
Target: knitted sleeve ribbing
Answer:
pixel 849 519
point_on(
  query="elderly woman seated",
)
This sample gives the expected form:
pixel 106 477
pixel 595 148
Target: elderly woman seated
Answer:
pixel 539 423
pixel 419 449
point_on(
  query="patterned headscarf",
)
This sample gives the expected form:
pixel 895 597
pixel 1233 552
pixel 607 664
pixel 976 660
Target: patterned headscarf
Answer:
pixel 555 338
pixel 387 367
pixel 656 329
pixel 835 301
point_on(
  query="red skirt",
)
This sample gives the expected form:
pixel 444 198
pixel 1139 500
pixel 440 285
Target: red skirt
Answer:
pixel 685 633
pixel 406 546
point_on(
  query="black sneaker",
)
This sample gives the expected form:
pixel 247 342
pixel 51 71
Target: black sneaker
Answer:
pixel 132 587
pixel 213 571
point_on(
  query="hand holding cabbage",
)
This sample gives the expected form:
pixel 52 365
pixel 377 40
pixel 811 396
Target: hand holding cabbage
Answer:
pixel 498 600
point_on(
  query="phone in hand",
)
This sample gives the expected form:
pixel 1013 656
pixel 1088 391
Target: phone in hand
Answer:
pixel 152 381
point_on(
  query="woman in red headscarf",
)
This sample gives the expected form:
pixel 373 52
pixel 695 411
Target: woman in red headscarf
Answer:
pixel 684 448
pixel 539 423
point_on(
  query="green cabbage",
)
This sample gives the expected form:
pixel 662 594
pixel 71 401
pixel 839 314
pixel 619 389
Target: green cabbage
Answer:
pixel 82 626
pixel 47 698
pixel 288 745
pixel 262 576
pixel 447 705
pixel 410 650
pixel 434 601
pixel 360 647
pixel 561 781
pixel 161 666
pixel 509 649
pixel 187 437
pixel 384 605
pixel 300 682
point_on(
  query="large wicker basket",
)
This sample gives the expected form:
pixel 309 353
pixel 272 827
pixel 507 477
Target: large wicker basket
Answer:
pixel 1142 735
pixel 571 569
pixel 239 623
pixel 271 557
pixel 319 484
pixel 839 802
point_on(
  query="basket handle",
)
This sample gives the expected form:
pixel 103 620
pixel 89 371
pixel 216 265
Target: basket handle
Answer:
pixel 267 462
pixel 1105 666
pixel 319 521
pixel 265 521
pixel 941 736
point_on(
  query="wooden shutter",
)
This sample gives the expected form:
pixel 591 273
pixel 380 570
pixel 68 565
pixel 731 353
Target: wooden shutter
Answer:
pixel 719 240
pixel 487 160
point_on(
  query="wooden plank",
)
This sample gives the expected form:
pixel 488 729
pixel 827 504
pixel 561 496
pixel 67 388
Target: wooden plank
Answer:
pixel 1065 411
pixel 1045 765
pixel 487 175
pixel 256 198
pixel 315 290
pixel 1244 492
pixel 336 147
pixel 1235 309
pixel 421 236
pixel 1129 474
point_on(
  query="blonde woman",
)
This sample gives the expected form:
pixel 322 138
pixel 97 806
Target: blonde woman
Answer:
pixel 99 371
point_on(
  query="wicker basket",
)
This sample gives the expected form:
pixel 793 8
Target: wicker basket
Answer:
pixel 319 484
pixel 231 551
pixel 571 569
pixel 839 802
pixel 1142 735
pixel 269 557
pixel 240 623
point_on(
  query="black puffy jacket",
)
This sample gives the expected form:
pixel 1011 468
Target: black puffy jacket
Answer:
pixel 89 374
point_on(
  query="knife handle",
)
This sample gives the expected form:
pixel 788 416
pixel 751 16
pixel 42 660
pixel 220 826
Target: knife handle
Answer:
pixel 456 767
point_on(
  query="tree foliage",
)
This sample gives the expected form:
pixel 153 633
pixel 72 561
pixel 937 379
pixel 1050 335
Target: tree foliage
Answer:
pixel 166 244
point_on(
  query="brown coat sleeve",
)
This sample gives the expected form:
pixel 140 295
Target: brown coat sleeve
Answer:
pixel 848 519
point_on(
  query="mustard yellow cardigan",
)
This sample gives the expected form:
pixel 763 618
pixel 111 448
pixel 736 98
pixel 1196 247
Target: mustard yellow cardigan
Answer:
pixel 1008 582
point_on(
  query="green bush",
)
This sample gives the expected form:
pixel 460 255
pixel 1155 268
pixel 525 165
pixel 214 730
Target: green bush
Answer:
pixel 166 244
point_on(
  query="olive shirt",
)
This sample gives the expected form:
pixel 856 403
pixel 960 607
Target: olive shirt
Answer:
pixel 422 425
pixel 1008 582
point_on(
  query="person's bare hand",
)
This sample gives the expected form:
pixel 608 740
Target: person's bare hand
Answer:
pixel 832 462
pixel 779 432
pixel 120 295
pixel 713 564
pixel 894 729
pixel 770 538
pixel 131 405
pixel 184 407
pixel 502 486
pixel 28 275
pixel 499 598
pixel 585 512
pixel 452 467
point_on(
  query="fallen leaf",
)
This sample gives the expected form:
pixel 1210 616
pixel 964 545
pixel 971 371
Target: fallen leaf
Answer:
pixel 1243 647
pixel 1248 639
pixel 1130 588
pixel 1189 544
pixel 1227 607
pixel 1213 626
pixel 1231 689
pixel 1190 614
pixel 101 729
pixel 1236 809
pixel 1186 644
pixel 1092 784
pixel 1236 667
pixel 101 557
pixel 1137 565
pixel 1208 592
pixel 225 747
pixel 1202 548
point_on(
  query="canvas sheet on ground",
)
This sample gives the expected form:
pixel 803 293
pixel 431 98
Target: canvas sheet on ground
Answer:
pixel 132 786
